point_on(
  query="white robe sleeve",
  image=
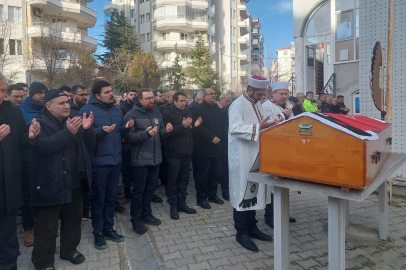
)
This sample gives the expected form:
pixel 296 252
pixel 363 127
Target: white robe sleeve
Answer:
pixel 237 127
pixel 268 111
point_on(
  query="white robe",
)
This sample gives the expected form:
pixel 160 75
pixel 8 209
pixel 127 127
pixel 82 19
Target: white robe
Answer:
pixel 274 111
pixel 243 150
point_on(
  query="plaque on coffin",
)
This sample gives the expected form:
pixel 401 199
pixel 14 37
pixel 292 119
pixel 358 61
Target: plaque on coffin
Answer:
pixel 339 150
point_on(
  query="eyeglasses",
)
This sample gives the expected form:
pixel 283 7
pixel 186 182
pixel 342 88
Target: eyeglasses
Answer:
pixel 149 98
pixel 82 95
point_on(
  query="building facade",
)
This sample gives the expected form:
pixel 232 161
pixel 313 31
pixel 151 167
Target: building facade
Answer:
pixel 26 24
pixel 226 27
pixel 335 40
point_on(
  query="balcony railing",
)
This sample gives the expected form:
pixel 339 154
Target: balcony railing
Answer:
pixel 190 18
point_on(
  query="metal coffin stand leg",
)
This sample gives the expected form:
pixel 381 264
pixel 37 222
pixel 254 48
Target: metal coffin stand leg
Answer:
pixel 336 234
pixel 383 211
pixel 281 225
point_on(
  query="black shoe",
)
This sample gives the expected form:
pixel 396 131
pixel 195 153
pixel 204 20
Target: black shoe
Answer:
pixel 127 192
pixel 77 258
pixel 86 216
pixel 99 241
pixel 174 212
pixel 257 234
pixel 204 205
pixel 113 236
pixel 119 208
pixel 139 227
pixel 269 222
pixel 246 242
pixel 182 207
pixel 151 220
pixel 292 220
pixel 226 196
pixel 215 200
pixel 156 199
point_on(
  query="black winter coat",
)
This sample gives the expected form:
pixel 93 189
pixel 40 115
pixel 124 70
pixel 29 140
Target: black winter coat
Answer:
pixel 74 109
pixel 50 168
pixel 10 178
pixel 209 129
pixel 126 107
pixel 325 107
pixel 297 110
pixel 224 134
pixel 179 142
pixel 145 150
pixel 163 107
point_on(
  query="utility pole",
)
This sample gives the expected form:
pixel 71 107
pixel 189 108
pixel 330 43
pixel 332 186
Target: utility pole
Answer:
pixel 221 65
pixel 389 74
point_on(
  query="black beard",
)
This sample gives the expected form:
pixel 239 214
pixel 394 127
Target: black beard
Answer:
pixel 252 97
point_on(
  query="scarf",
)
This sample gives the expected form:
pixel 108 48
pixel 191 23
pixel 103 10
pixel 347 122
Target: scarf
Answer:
pixel 282 106
pixel 251 190
pixel 29 102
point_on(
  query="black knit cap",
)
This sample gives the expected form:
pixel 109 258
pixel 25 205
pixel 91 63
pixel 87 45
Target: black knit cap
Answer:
pixel 37 86
pixel 53 93
pixel 293 99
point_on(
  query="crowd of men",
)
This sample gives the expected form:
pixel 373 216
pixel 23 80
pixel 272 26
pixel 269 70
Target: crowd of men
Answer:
pixel 63 154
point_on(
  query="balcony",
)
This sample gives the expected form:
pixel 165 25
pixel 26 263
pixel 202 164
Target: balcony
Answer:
pixel 255 42
pixel 242 7
pixel 255 52
pixel 255 31
pixel 39 30
pixel 85 16
pixel 242 73
pixel 179 22
pixel 169 44
pixel 204 4
pixel 57 64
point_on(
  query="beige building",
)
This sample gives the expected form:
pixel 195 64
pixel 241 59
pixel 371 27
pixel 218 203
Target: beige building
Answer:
pixel 226 27
pixel 25 24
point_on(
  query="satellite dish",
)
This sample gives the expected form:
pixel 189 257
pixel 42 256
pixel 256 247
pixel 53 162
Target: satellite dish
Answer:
pixel 375 76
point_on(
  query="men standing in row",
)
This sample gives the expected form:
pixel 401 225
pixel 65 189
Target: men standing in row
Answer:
pixel 15 94
pixel 105 156
pixel 59 168
pixel 31 106
pixel 207 150
pixel 225 101
pixel 325 107
pixel 279 109
pixel 13 136
pixel 178 153
pixel 125 107
pixel 145 141
pixel 78 99
pixel 246 121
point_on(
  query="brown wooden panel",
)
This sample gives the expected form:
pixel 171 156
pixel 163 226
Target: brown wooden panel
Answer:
pixel 320 130
pixel 330 161
pixel 372 147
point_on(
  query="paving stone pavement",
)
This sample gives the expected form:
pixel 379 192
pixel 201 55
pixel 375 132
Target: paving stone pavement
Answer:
pixel 206 240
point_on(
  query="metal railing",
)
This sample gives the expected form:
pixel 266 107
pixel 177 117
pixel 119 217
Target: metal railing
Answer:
pixel 189 18
pixel 330 87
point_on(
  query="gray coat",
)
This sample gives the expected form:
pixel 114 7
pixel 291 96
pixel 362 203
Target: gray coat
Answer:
pixel 145 150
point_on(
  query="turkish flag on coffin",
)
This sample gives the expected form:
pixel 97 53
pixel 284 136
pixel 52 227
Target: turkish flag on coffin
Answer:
pixel 359 121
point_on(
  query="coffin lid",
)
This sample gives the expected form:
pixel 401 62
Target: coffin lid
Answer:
pixel 361 127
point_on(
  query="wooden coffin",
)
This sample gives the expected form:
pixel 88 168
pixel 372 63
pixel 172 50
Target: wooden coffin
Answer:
pixel 329 156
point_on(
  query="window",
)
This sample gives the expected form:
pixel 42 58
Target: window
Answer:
pixel 142 38
pixel 167 56
pixel 183 36
pixel 19 47
pixel 234 31
pixel 343 5
pixel 234 65
pixel 344 25
pixel 285 53
pixel 175 12
pixel 233 47
pixel 135 29
pixel 147 17
pixel 212 39
pixel 184 56
pixel 12 45
pixel 1 12
pixel 142 18
pixel 320 22
pixel 1 46
pixel 148 36
pixel 132 13
pixel 166 36
pixel 232 13
pixel 142 1
pixel 14 14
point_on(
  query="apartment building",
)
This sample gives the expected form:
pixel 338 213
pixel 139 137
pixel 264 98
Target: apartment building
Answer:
pixel 226 27
pixel 24 25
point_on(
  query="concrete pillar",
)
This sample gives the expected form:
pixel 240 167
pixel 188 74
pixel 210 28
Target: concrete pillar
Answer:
pixel 299 65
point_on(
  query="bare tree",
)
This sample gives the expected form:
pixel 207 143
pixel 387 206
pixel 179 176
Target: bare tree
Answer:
pixel 6 61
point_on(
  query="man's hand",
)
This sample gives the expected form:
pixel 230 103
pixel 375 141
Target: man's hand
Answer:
pixel 265 124
pixel 130 124
pixel 187 122
pixel 198 121
pixel 4 131
pixel 287 111
pixel 87 122
pixel 34 130
pixel 216 140
pixel 169 127
pixel 109 129
pixel 74 124
pixel 152 131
